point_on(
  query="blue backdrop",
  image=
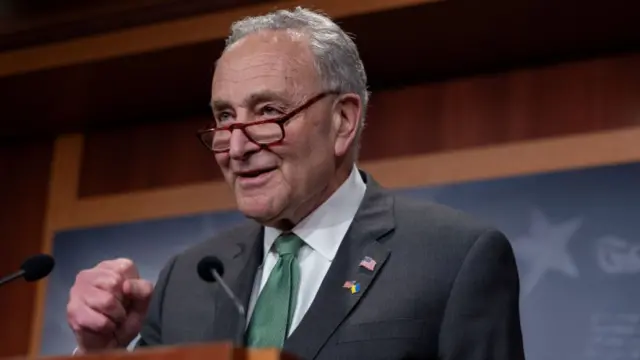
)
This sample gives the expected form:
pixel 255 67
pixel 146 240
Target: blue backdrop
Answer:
pixel 575 235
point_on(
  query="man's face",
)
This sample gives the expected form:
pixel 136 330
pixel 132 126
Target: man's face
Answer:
pixel 265 76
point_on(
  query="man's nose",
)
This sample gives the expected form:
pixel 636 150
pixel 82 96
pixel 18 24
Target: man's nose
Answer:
pixel 240 146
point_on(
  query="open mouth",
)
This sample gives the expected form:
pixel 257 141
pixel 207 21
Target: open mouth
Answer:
pixel 255 173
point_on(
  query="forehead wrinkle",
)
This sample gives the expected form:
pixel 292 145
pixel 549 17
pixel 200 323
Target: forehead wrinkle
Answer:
pixel 259 84
pixel 289 85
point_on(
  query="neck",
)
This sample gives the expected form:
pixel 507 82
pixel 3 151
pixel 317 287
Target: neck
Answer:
pixel 340 176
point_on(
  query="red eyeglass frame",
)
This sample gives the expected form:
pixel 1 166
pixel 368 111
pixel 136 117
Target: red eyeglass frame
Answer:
pixel 279 121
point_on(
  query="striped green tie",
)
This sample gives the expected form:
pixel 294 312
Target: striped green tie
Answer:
pixel 271 318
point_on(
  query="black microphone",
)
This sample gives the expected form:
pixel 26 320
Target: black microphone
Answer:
pixel 32 269
pixel 211 269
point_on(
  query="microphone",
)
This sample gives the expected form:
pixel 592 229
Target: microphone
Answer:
pixel 211 269
pixel 32 269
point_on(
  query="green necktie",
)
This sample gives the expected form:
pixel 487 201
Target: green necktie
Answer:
pixel 274 309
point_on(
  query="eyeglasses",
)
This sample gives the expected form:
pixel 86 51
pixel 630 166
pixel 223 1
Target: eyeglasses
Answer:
pixel 264 133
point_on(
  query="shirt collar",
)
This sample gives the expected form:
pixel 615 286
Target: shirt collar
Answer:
pixel 324 229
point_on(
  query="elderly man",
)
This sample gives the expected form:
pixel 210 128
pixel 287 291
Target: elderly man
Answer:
pixel 330 265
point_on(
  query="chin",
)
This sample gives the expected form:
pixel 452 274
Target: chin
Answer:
pixel 259 209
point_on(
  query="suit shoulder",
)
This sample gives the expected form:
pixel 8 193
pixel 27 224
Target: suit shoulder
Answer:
pixel 219 242
pixel 429 213
pixel 427 219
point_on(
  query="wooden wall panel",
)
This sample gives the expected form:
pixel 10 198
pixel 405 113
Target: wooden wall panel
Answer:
pixel 525 104
pixel 139 157
pixel 570 98
pixel 24 178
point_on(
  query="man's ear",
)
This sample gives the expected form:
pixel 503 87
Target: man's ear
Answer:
pixel 346 118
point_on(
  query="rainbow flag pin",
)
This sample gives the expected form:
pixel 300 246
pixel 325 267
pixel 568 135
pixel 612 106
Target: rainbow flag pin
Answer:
pixel 352 285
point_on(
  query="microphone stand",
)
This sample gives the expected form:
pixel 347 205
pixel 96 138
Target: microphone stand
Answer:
pixel 9 278
pixel 239 340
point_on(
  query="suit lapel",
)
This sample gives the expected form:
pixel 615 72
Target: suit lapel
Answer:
pixel 241 263
pixel 334 301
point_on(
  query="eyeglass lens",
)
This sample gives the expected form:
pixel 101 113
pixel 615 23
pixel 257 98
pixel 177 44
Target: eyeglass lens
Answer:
pixel 263 133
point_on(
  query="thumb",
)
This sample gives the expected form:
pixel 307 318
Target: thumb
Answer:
pixel 138 291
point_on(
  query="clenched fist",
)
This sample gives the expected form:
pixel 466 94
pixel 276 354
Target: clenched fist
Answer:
pixel 107 305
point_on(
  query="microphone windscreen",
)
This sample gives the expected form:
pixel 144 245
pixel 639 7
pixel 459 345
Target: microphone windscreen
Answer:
pixel 37 267
pixel 207 265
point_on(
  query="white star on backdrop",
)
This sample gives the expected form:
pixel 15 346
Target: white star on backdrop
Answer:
pixel 544 248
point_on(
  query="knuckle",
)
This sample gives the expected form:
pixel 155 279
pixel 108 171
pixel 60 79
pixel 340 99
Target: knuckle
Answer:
pixel 110 283
pixel 124 262
pixel 82 276
pixel 75 327
pixel 75 293
pixel 108 264
pixel 104 264
pixel 109 303
pixel 75 317
pixel 88 276
pixel 94 278
pixel 72 312
pixel 126 265
pixel 103 323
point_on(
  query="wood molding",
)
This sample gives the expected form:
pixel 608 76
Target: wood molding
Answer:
pixel 524 158
pixel 62 196
pixel 170 34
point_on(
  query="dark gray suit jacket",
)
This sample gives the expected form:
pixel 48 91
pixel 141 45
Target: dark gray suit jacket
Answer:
pixel 444 287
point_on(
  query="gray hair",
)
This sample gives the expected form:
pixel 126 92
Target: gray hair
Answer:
pixel 336 56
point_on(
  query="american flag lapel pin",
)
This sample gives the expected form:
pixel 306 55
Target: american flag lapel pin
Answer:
pixel 368 263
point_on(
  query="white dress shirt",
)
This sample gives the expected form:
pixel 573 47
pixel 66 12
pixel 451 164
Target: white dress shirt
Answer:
pixel 322 232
